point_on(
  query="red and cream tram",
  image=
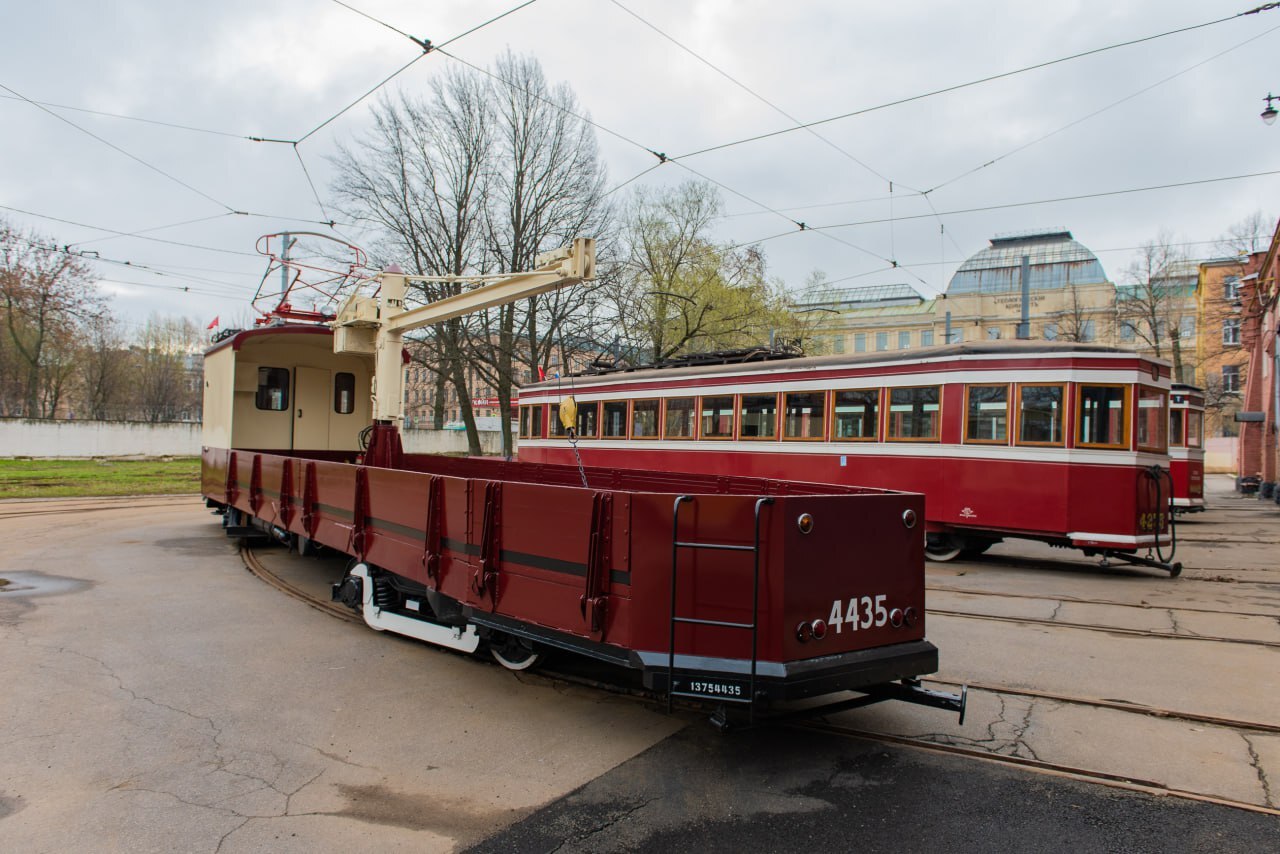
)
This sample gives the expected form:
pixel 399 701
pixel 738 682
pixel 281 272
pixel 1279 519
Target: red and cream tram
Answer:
pixel 740 591
pixel 1186 447
pixel 1063 443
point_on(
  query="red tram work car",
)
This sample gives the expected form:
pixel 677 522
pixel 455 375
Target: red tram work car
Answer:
pixel 738 590
pixel 1186 447
pixel 1062 443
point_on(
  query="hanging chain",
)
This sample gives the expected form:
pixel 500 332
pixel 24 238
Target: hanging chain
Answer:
pixel 573 443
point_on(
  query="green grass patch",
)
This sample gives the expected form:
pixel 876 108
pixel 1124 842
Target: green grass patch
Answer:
pixel 75 478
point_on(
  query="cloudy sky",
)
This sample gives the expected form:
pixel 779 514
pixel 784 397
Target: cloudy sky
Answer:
pixel 1182 108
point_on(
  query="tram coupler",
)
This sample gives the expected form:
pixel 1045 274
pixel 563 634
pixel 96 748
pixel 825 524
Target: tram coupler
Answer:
pixel 1174 569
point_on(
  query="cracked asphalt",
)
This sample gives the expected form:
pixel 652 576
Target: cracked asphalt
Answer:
pixel 158 697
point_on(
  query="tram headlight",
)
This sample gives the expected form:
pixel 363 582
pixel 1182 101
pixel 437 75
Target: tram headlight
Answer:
pixel 819 629
pixel 803 632
pixel 895 618
pixel 909 616
pixel 805 523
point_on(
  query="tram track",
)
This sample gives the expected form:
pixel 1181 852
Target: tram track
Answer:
pixel 1128 782
pixel 1102 602
pixel 1095 627
pixel 113 504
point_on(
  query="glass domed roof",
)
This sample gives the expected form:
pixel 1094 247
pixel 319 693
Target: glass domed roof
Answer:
pixel 1057 261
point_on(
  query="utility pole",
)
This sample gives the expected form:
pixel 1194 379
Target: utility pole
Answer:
pixel 286 244
pixel 1024 328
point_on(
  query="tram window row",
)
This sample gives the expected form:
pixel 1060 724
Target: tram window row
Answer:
pixel 1105 415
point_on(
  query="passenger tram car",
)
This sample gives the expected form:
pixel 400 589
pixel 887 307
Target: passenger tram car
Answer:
pixel 1065 443
pixel 743 591
pixel 1186 447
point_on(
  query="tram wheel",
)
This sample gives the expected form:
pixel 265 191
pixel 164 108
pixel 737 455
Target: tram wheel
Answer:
pixel 942 547
pixel 514 653
pixel 974 547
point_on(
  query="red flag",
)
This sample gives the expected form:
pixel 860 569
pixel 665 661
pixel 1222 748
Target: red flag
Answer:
pixel 214 324
pixel 542 374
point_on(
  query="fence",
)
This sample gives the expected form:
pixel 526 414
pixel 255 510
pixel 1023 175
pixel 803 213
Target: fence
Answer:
pixel 21 437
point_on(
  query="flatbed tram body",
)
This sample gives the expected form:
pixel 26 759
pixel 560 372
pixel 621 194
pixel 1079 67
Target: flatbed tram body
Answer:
pixel 1186 447
pixel 1053 442
pixel 741 590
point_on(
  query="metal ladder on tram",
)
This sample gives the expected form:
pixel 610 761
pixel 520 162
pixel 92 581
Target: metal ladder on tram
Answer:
pixel 754 626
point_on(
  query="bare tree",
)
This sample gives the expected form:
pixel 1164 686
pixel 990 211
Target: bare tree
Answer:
pixel 677 290
pixel 1158 299
pixel 420 178
pixel 45 295
pixel 103 368
pixel 1246 236
pixel 159 368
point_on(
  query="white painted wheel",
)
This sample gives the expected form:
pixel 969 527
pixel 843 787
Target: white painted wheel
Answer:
pixel 515 654
pixel 942 547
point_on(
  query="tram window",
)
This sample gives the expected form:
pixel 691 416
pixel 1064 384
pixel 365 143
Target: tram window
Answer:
pixel 615 419
pixel 759 416
pixel 344 393
pixel 554 427
pixel 804 415
pixel 988 419
pixel 588 420
pixel 644 418
pixel 913 413
pixel 1177 427
pixel 1040 415
pixel 856 414
pixel 273 389
pixel 1153 419
pixel 717 417
pixel 678 423
pixel 1101 420
pixel 1195 428
pixel 524 421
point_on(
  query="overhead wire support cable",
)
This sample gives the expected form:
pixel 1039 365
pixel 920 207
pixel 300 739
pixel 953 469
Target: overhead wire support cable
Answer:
pixel 988 79
pixel 127 234
pixel 117 148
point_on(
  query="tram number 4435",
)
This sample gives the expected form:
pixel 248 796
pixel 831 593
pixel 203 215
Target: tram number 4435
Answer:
pixel 862 612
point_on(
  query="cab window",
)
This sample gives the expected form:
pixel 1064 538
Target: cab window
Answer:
pixel 1040 414
pixel 856 414
pixel 1153 419
pixel 804 415
pixel 716 417
pixel 1195 428
pixel 1177 426
pixel 988 414
pixel 344 393
pixel 678 422
pixel 913 414
pixel 759 413
pixel 1102 416
pixel 273 389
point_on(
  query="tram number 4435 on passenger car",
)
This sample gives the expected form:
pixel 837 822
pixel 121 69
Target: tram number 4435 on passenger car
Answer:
pixel 862 613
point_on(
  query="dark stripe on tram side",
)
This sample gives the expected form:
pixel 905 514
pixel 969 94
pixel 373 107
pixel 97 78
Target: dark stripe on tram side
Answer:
pixel 395 527
pixel 270 493
pixel 336 511
pixel 550 564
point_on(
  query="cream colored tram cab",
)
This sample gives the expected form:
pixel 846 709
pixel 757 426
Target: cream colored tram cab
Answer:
pixel 282 388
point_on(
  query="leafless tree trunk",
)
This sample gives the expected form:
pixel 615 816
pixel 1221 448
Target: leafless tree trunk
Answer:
pixel 1158 296
pixel 103 370
pixel 159 368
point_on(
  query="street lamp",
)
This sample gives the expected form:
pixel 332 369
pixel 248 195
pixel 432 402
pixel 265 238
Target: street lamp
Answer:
pixel 1270 113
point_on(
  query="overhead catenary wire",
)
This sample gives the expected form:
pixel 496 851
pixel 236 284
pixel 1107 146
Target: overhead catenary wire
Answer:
pixel 117 148
pixel 977 82
pixel 127 234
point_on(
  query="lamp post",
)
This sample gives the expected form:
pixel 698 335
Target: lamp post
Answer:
pixel 1270 113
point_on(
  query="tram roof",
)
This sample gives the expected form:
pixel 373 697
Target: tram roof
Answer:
pixel 788 362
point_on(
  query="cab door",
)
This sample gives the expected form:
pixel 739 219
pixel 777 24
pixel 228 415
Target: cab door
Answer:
pixel 311 409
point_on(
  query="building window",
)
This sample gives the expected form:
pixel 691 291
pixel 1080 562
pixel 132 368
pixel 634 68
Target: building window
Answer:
pixel 882 341
pixel 1231 331
pixel 913 413
pixel 1127 332
pixel 860 342
pixel 273 389
pixel 993 333
pixel 956 336
pixel 679 419
pixel 1051 332
pixel 837 344
pixel 1087 330
pixel 1231 378
pixel 926 337
pixel 856 414
pixel 1231 288
pixel 904 340
pixel 1187 327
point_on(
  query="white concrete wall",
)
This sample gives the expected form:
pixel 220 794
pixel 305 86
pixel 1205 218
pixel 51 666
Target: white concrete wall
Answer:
pixel 1220 454
pixel 20 437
